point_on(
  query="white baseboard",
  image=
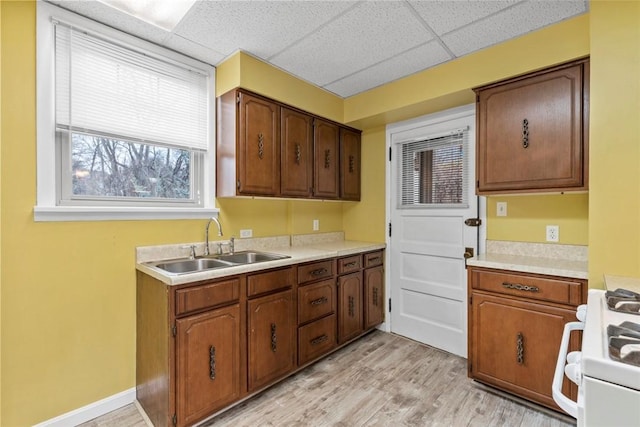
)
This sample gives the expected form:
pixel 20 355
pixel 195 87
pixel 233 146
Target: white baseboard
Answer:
pixel 92 410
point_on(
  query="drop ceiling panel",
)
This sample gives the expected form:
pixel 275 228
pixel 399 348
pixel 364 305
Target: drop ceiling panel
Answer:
pixel 445 16
pixel 409 62
pixel 262 28
pixel 364 36
pixel 510 23
pixel 194 50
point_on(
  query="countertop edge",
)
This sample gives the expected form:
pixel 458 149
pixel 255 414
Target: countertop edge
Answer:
pixel 546 266
pixel 297 254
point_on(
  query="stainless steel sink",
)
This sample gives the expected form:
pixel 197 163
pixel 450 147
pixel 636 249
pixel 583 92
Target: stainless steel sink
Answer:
pixel 191 265
pixel 249 257
pixel 183 266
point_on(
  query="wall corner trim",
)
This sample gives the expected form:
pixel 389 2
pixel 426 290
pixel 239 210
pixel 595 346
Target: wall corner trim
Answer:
pixel 92 410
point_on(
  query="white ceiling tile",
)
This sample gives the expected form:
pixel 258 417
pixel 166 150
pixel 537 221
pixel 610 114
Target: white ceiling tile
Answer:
pixel 262 28
pixel 409 62
pixel 365 35
pixel 194 50
pixel 114 18
pixel 513 22
pixel 444 16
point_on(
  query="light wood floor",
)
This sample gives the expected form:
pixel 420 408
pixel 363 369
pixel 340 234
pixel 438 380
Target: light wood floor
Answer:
pixel 380 380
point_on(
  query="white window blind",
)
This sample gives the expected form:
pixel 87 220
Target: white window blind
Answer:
pixel 109 89
pixel 434 171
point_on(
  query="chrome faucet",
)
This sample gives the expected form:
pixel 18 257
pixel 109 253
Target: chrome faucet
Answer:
pixel 206 233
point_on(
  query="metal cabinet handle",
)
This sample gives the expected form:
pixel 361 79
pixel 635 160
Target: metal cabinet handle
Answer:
pixel 322 338
pixel 351 164
pixel 520 348
pixel 351 306
pixel 260 145
pixel 212 362
pixel 375 296
pixel 351 264
pixel 327 159
pixel 318 272
pixel 298 153
pixel 519 287
pixel 525 133
pixel 318 301
pixel 375 258
pixel 273 338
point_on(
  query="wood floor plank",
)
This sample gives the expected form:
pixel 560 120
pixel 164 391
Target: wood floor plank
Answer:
pixel 380 380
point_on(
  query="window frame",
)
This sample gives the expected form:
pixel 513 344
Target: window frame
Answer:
pixel 48 204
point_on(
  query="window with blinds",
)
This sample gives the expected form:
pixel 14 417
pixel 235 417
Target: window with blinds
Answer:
pixel 131 127
pixel 434 171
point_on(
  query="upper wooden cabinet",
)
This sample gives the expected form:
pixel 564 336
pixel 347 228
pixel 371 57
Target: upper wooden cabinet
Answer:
pixel 326 146
pixel 349 165
pixel 296 153
pixel 266 148
pixel 532 131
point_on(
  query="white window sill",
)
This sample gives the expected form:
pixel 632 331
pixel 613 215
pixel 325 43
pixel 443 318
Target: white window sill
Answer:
pixel 118 213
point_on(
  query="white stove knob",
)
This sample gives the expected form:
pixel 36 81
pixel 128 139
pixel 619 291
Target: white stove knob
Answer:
pixel 573 372
pixel 574 357
pixel 581 313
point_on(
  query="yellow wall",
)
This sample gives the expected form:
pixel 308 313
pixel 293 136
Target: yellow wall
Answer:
pixel 71 339
pixel 528 216
pixel 0 217
pixel 614 194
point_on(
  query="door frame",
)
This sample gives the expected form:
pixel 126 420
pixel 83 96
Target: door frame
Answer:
pixel 406 125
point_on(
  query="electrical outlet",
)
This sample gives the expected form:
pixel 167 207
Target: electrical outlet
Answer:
pixel 246 233
pixel 501 209
pixel 316 224
pixel 553 233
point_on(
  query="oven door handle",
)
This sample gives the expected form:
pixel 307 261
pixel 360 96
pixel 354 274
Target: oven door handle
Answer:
pixel 568 405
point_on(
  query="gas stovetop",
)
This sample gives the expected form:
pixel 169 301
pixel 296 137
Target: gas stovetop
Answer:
pixel 624 338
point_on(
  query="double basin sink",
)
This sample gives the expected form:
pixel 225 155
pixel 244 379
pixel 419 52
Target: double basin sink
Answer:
pixel 183 266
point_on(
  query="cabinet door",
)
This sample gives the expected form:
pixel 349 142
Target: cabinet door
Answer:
pixel 326 139
pixel 373 296
pixel 208 363
pixel 349 165
pixel 296 153
pixel 350 319
pixel 272 343
pixel 515 345
pixel 530 132
pixel 258 146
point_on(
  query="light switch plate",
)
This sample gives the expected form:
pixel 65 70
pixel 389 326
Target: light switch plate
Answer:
pixel 501 209
pixel 246 233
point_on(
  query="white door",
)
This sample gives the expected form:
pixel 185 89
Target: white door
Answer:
pixel 432 193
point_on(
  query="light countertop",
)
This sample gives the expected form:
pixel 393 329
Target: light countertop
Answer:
pixel 298 254
pixel 530 264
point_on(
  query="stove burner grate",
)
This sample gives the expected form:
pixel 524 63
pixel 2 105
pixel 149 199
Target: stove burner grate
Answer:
pixel 624 301
pixel 624 342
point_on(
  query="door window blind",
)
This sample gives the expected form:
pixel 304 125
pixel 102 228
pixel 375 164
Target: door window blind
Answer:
pixel 434 171
pixel 109 89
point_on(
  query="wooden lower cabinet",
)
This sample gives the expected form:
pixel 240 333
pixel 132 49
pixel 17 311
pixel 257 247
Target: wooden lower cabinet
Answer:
pixel 373 296
pixel 515 330
pixel 207 363
pixel 203 346
pixel 350 319
pixel 271 338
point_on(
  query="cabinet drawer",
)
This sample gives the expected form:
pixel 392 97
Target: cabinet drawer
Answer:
pixel 316 339
pixel 317 300
pixel 349 264
pixel 526 286
pixel 372 259
pixel 206 296
pixel 315 271
pixel 269 281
